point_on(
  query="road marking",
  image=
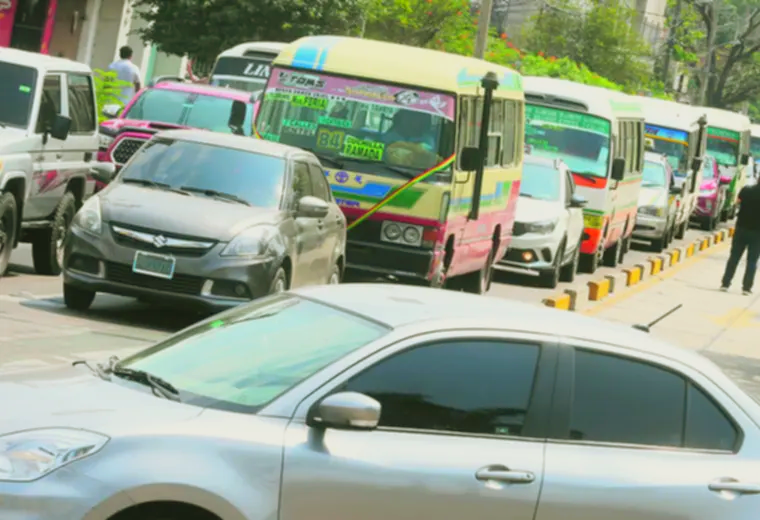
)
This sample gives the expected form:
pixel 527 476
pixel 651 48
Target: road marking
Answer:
pixel 737 318
pixel 652 281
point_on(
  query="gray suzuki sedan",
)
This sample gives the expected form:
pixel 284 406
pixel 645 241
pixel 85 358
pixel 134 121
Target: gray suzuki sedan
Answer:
pixel 206 219
pixel 377 402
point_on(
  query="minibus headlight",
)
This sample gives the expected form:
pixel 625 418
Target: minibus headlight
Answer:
pixel 400 233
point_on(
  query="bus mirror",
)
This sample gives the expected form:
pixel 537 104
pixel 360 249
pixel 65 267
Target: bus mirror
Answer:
pixel 745 159
pixel 469 159
pixel 618 169
pixel 696 164
pixel 461 177
pixel 237 117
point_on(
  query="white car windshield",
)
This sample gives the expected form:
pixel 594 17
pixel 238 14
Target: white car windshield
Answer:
pixel 540 181
pixel 244 358
pixel 654 175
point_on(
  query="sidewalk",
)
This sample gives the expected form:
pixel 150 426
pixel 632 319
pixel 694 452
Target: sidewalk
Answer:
pixel 722 326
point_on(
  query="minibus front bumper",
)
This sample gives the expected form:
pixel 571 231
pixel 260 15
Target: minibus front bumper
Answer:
pixel 382 260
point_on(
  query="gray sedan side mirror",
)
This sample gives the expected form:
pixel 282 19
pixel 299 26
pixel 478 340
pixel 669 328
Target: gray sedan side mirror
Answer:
pixel 312 207
pixel 345 410
pixel 103 172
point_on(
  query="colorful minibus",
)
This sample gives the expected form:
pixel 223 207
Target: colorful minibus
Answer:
pixel 754 147
pixel 599 134
pixel 246 66
pixel 423 151
pixel 728 141
pixel 679 132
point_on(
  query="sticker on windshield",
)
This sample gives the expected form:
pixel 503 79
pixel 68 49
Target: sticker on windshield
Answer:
pixel 300 127
pixel 297 79
pixel 330 139
pixel 316 103
pixel 363 149
pixel 278 96
pixel 334 121
pixel 270 137
pixel 24 88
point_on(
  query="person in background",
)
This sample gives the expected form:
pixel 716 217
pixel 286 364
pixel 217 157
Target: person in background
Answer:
pixel 126 71
pixel 746 237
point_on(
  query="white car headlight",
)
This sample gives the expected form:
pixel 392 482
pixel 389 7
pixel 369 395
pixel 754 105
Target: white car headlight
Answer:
pixel 542 228
pixel 250 242
pixel 653 211
pixel 31 454
pixel 88 217
pixel 104 141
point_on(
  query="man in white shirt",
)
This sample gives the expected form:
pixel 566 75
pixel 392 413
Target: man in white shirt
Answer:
pixel 126 71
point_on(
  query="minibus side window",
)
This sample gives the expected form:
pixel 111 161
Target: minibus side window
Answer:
pixel 629 148
pixel 640 147
pixel 463 130
pixel 511 119
pixel 495 133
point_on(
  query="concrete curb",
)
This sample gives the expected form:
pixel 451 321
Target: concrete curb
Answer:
pixel 597 290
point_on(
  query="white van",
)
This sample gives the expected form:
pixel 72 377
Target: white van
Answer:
pixel 246 66
pixel 728 141
pixel 48 142
pixel 599 134
pixel 679 132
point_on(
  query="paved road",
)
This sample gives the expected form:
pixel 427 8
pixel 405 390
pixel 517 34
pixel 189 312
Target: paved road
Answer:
pixel 36 329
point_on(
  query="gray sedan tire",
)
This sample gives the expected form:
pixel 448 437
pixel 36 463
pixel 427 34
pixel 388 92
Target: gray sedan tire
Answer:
pixel 279 282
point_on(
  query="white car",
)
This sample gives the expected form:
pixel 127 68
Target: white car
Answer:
pixel 548 228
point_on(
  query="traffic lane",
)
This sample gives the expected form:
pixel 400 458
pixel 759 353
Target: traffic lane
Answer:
pixel 526 288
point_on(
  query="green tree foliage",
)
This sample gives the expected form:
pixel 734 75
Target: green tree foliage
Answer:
pixel 415 22
pixel 600 35
pixel 202 29
pixel 734 74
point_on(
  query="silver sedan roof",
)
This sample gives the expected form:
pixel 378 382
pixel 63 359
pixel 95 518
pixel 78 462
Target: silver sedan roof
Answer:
pixel 238 142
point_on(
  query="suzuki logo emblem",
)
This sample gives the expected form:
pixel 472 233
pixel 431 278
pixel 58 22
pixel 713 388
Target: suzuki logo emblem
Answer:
pixel 159 241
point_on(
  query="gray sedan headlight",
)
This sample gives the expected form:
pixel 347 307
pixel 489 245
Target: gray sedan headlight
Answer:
pixel 89 217
pixel 31 454
pixel 542 228
pixel 251 242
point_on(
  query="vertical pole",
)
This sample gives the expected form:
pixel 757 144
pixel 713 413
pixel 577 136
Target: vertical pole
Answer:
pixel 484 21
pixel 489 83
pixel 710 49
pixel 671 46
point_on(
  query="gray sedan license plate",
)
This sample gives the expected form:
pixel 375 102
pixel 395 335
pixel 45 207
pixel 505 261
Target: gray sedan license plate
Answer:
pixel 160 266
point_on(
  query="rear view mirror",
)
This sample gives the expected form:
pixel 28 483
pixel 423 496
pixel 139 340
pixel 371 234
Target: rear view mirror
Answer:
pixel 469 159
pixel 696 164
pixel 576 201
pixel 103 172
pixel 60 127
pixel 312 207
pixel 744 159
pixel 347 411
pixel 618 169
pixel 111 111
pixel 237 117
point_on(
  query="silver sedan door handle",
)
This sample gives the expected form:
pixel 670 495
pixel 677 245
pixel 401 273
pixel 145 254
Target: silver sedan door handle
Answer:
pixel 501 473
pixel 734 486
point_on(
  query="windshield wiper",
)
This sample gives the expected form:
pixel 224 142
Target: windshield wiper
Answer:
pixel 330 159
pixel 404 172
pixel 587 175
pixel 218 194
pixel 153 184
pixel 96 369
pixel 159 386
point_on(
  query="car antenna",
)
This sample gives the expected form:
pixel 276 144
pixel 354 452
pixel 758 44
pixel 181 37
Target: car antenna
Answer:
pixel 647 328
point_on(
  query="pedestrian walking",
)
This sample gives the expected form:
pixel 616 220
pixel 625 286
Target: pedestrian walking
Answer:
pixel 746 237
pixel 126 71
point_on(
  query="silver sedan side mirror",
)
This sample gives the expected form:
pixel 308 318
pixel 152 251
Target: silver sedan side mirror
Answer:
pixel 346 410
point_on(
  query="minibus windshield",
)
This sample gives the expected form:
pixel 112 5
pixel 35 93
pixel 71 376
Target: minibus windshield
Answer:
pixel 357 125
pixel 671 143
pixel 582 141
pixel 723 145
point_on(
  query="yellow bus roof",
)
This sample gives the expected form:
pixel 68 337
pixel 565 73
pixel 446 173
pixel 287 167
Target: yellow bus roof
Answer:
pixel 399 64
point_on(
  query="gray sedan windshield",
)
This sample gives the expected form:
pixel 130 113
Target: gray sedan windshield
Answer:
pixel 254 178
pixel 248 356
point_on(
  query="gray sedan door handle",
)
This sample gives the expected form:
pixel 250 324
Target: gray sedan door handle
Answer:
pixel 503 474
pixel 734 486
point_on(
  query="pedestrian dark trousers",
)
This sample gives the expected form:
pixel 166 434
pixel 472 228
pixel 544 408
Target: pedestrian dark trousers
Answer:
pixel 744 239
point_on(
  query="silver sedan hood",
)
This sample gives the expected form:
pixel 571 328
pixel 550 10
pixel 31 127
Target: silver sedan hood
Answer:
pixel 74 397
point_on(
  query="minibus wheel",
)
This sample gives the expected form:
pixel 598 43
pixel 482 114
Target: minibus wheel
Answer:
pixel 612 254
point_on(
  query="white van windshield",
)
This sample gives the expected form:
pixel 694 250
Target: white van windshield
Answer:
pixel 17 89
pixel 723 145
pixel 582 141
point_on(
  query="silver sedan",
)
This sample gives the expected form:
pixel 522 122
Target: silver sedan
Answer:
pixel 370 402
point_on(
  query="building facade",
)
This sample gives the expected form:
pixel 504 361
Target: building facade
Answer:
pixel 89 31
